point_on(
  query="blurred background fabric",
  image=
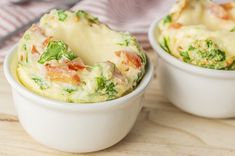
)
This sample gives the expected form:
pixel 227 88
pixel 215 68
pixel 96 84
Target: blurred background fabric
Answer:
pixel 134 16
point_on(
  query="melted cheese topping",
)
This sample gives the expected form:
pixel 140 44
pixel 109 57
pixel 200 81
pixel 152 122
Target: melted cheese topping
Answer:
pixel 71 56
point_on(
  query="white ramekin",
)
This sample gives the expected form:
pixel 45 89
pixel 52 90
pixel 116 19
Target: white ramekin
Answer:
pixel 200 91
pixel 75 127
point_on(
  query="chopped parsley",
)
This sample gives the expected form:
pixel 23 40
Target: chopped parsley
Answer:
pixel 69 90
pixel 24 47
pixel 127 40
pixel 106 86
pixel 185 56
pixel 205 53
pixel 42 85
pixel 167 19
pixel 110 89
pixel 124 43
pixel 231 66
pixel 100 82
pixel 70 55
pixel 233 29
pixel 27 58
pixel 62 15
pixel 55 51
pixel 90 18
pixel 26 36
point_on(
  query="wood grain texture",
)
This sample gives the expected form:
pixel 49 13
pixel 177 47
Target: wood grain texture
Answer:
pixel 161 129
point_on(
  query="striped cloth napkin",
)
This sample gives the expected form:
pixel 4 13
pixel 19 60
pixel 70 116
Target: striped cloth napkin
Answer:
pixel 14 16
pixel 134 16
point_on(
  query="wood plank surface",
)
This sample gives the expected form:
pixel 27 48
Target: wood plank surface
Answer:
pixel 161 129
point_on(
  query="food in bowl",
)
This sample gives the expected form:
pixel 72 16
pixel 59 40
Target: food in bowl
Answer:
pixel 76 127
pixel 195 86
pixel 73 57
pixel 201 33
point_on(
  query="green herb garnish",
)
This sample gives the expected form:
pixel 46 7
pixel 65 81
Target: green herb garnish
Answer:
pixel 205 53
pixel 42 85
pixel 167 19
pixel 69 90
pixel 70 55
pixel 55 51
pixel 90 18
pixel 233 29
pixel 185 56
pixel 127 40
pixel 165 44
pixel 100 82
pixel 110 89
pixel 106 86
pixel 62 15
pixel 26 36
pixel 24 47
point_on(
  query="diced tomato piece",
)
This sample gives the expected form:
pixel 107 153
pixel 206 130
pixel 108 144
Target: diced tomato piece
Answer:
pixel 75 66
pixel 135 59
pixel 175 25
pixel 76 78
pixel 34 50
pixel 219 11
pixel 118 53
pixel 132 58
pixel 62 74
pixel 228 6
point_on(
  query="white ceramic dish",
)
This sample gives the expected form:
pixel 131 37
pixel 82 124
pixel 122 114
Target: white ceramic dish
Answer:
pixel 75 127
pixel 197 90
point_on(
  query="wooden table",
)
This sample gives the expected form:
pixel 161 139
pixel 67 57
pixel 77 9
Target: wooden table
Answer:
pixel 161 129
